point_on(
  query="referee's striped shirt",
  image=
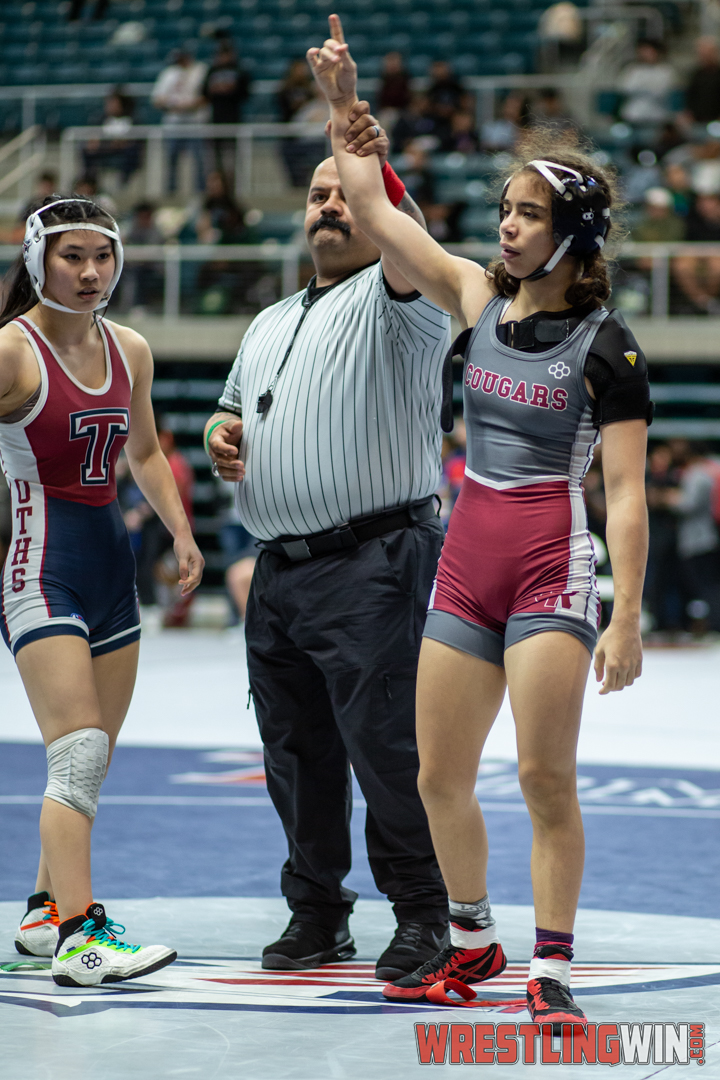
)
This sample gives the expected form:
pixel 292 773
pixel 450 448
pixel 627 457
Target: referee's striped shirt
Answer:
pixel 354 427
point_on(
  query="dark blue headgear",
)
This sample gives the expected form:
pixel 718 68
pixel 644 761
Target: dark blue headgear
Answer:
pixel 580 214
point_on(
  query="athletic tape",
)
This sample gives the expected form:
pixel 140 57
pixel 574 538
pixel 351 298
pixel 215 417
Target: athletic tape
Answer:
pixel 472 939
pixel 541 968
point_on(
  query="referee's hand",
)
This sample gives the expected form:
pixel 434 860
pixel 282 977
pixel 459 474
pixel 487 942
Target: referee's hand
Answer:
pixel 223 445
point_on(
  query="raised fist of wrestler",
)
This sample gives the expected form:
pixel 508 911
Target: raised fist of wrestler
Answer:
pixel 334 69
pixel 223 446
pixel 364 136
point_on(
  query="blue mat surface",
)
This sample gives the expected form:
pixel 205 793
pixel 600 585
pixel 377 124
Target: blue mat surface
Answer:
pixel 649 831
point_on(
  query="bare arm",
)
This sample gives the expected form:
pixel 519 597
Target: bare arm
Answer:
pixel 365 137
pixel 457 285
pixel 149 465
pixel 619 651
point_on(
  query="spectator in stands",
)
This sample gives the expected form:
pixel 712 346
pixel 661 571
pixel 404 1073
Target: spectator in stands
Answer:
pixel 142 282
pixel 677 182
pixel 501 135
pixel 462 137
pixel 417 122
pixel 698 539
pixel 548 111
pixel 561 35
pixel 227 85
pixel 301 155
pixel 119 153
pixel 240 555
pixel 156 563
pixel 178 94
pixel 295 91
pixel 46 184
pixel 394 93
pixel 662 592
pixel 226 89
pixel 646 85
pixel 669 138
pixel 87 188
pixel 453 459
pixel 219 213
pixel 445 94
pixel 659 224
pixel 702 93
pixel 706 170
pixel 699 276
pixel 221 220
pixel 441 218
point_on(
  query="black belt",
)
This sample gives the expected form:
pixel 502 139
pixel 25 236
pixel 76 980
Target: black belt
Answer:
pixel 351 534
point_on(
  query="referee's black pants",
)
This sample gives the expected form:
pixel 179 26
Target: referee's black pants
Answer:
pixel 333 646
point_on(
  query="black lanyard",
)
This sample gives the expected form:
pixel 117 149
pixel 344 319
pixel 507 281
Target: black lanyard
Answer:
pixel 265 400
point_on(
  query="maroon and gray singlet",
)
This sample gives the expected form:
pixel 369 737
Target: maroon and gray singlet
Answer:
pixel 518 559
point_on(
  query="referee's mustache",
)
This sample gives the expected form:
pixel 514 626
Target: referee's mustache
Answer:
pixel 326 221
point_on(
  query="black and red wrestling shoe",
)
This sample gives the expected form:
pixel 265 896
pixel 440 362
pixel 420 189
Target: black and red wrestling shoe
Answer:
pixel 465 965
pixel 550 1002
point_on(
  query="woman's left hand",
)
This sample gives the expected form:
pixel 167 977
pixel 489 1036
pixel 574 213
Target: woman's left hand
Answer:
pixel 618 656
pixel 190 562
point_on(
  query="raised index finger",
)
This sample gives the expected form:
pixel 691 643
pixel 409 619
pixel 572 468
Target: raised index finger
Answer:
pixel 336 30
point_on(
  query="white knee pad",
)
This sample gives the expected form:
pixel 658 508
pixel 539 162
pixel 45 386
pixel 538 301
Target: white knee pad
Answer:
pixel 76 769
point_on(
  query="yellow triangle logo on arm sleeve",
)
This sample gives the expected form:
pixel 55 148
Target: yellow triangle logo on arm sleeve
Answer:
pixel 631 356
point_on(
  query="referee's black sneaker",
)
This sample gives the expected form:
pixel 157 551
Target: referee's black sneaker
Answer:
pixel 412 945
pixel 308 945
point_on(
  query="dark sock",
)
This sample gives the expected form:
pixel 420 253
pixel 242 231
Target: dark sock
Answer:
pixel 545 939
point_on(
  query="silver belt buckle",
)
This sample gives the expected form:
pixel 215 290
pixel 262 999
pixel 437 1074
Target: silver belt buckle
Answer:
pixel 297 551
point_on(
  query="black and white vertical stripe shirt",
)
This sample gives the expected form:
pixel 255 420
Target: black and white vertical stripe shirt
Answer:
pixel 354 426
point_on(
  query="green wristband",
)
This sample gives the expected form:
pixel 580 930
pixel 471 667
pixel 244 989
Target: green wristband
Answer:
pixel 207 437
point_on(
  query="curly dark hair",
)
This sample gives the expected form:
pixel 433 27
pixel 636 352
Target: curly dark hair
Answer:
pixel 18 293
pixel 545 144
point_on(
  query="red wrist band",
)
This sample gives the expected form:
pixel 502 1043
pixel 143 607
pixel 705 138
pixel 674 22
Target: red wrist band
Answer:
pixel 394 187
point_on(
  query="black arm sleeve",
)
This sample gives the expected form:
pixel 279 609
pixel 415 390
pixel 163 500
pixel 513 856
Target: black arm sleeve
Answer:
pixel 617 370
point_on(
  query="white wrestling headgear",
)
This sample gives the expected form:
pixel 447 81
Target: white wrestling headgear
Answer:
pixel 34 246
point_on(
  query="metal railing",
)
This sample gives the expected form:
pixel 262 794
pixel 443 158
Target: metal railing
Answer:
pixel 30 147
pixel 660 257
pixel 156 136
pixel 170 257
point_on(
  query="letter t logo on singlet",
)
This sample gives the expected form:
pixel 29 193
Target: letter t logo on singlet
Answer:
pixel 100 427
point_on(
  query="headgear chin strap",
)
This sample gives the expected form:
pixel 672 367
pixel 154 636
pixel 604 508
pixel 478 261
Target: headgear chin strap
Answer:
pixel 35 244
pixel 580 214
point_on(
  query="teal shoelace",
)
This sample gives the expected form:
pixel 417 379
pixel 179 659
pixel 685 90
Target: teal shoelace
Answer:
pixel 106 935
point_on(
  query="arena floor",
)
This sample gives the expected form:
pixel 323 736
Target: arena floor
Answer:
pixel 188 842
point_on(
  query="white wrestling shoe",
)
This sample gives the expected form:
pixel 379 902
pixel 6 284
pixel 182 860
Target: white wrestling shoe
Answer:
pixel 38 932
pixel 89 953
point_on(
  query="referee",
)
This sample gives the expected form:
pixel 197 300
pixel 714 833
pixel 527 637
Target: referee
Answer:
pixel 336 459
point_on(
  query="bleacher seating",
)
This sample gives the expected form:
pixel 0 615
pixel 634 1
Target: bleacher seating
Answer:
pixel 38 45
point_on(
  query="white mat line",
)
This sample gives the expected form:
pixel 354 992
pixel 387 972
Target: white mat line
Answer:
pixel 359 804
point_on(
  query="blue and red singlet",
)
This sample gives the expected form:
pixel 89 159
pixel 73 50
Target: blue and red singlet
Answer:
pixel 70 568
